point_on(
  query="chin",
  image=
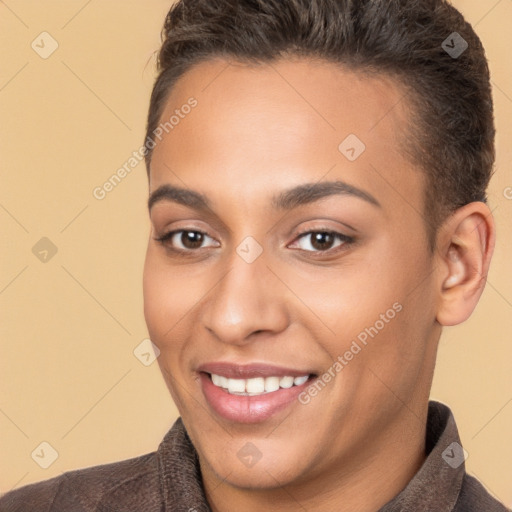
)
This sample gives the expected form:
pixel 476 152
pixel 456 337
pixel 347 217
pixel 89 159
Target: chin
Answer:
pixel 262 476
pixel 258 463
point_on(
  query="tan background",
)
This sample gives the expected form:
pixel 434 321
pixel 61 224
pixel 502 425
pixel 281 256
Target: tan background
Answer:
pixel 68 375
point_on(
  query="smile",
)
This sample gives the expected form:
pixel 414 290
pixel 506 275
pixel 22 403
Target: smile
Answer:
pixel 251 393
pixel 258 385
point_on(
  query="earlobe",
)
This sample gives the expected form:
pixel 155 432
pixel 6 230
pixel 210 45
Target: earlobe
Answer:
pixel 466 244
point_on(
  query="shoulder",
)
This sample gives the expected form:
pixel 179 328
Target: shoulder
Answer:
pixel 474 497
pixel 133 483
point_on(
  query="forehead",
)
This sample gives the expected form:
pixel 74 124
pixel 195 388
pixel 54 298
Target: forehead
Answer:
pixel 285 122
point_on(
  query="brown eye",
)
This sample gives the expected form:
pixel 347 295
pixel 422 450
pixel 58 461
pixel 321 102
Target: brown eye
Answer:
pixel 322 241
pixel 186 240
pixel 191 239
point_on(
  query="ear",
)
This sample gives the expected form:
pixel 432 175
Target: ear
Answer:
pixel 465 244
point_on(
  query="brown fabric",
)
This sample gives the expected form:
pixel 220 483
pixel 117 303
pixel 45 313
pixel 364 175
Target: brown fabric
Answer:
pixel 169 480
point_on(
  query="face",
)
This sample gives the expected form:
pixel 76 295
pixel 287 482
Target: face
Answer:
pixel 293 266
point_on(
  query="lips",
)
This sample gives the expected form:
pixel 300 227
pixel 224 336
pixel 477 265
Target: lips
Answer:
pixel 249 371
pixel 251 393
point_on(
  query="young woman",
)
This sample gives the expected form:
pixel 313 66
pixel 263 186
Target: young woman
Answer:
pixel 317 192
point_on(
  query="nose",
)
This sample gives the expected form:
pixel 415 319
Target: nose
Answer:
pixel 248 299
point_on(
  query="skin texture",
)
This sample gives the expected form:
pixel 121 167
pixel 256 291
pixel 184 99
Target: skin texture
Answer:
pixel 256 131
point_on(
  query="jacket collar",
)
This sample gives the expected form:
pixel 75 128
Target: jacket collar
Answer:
pixel 435 486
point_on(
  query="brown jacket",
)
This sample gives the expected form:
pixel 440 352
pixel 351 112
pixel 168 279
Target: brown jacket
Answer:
pixel 170 480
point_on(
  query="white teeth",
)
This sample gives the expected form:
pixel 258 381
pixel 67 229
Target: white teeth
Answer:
pixel 256 385
pixel 298 381
pixel 236 386
pixel 286 382
pixel 216 379
pixel 271 384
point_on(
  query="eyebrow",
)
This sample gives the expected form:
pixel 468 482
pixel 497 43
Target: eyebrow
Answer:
pixel 286 200
pixel 311 192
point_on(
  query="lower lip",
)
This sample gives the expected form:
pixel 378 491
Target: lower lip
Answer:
pixel 248 409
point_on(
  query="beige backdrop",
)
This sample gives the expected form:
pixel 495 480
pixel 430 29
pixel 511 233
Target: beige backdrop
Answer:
pixel 70 323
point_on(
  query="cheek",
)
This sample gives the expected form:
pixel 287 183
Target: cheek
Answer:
pixel 163 299
pixel 349 299
pixel 165 311
pixel 172 295
pixel 395 333
pixel 381 302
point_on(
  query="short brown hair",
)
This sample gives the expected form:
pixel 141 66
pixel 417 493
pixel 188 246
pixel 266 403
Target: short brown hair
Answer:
pixel 452 130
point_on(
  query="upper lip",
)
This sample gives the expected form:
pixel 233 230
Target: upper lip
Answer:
pixel 249 371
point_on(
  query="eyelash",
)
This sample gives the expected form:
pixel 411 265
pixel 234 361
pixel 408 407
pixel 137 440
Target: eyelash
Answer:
pixel 347 241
